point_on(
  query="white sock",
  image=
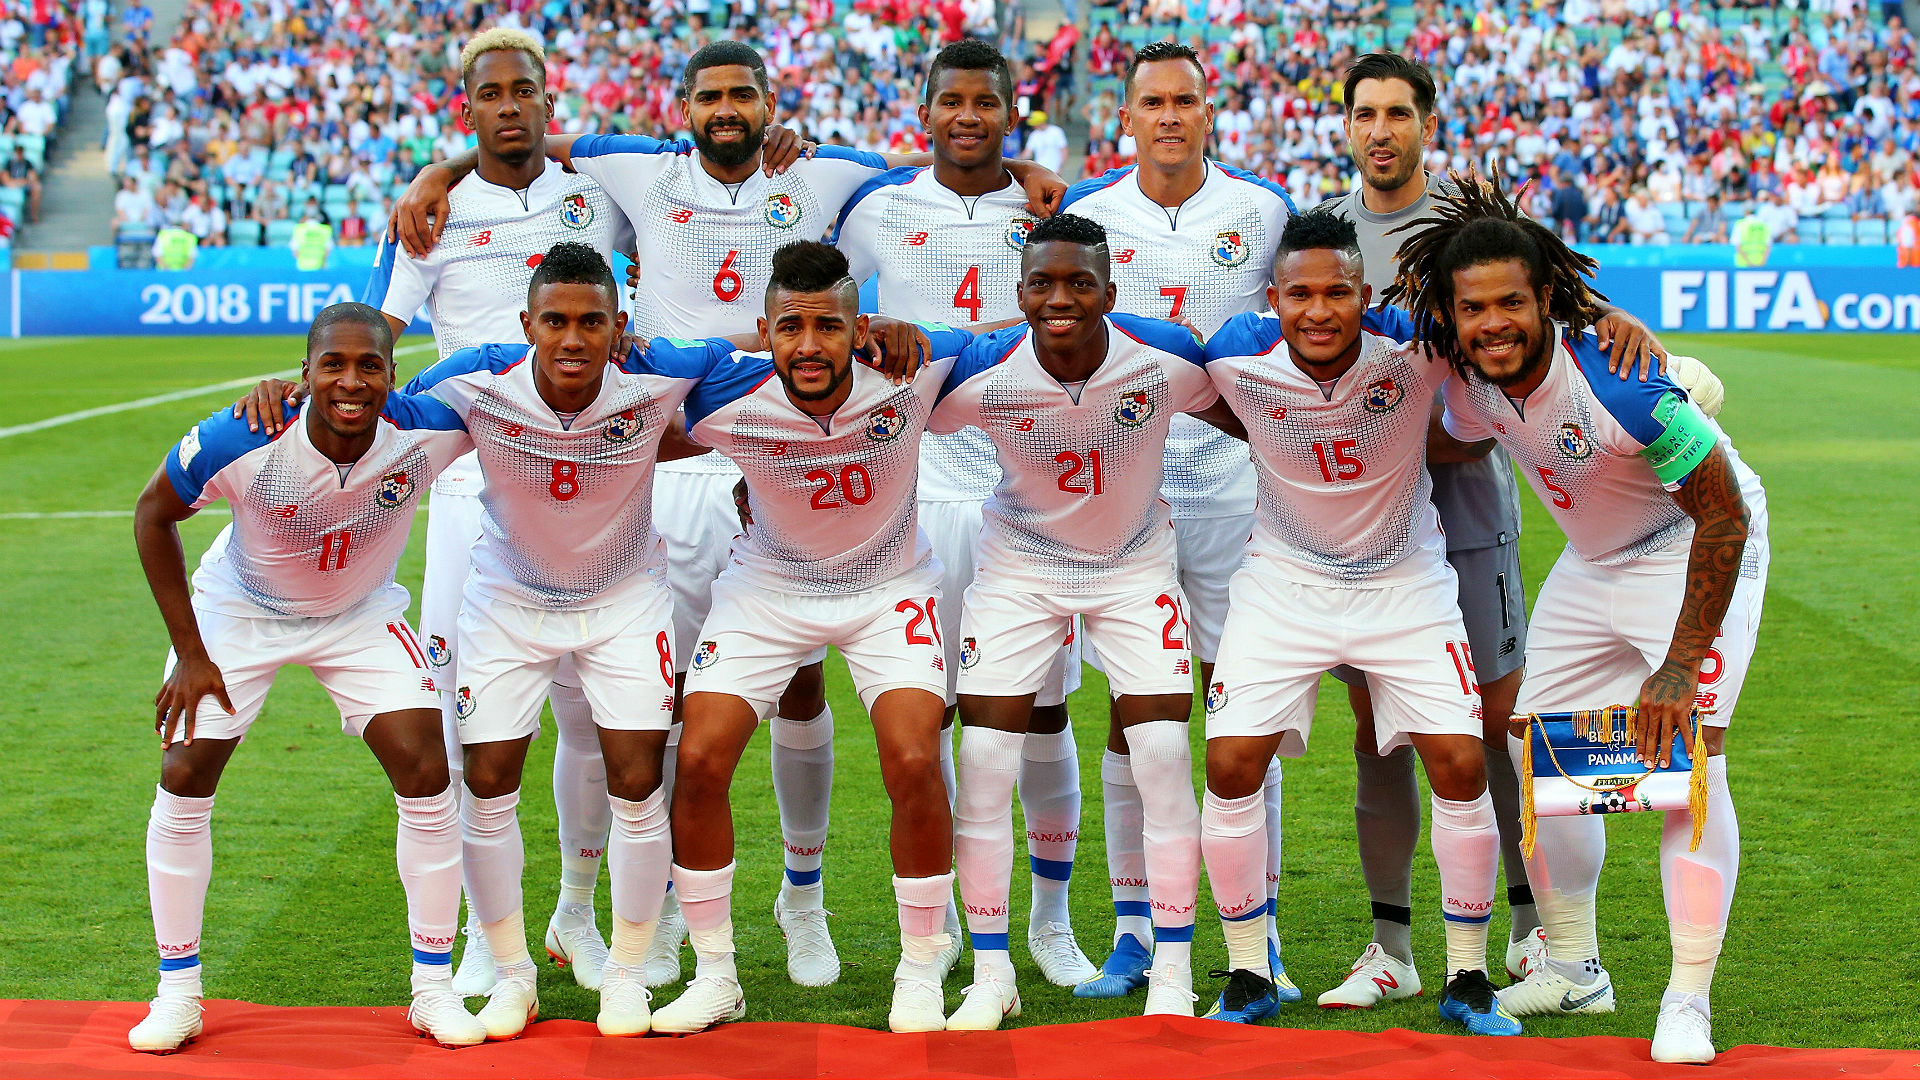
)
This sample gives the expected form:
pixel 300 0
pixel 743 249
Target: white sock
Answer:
pixel 1232 838
pixel 706 902
pixel 179 865
pixel 1270 790
pixel 1699 885
pixel 1163 771
pixel 989 762
pixel 1466 845
pixel 1050 799
pixel 495 859
pixel 1564 872
pixel 803 788
pixel 922 904
pixel 1126 858
pixel 639 858
pixel 579 794
pixel 427 851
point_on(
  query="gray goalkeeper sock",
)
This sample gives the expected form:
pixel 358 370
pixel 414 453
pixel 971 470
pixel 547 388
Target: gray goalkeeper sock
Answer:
pixel 1386 814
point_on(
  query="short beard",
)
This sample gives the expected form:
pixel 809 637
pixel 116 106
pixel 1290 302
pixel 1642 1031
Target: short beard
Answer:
pixel 1394 182
pixel 1537 353
pixel 730 155
pixel 833 386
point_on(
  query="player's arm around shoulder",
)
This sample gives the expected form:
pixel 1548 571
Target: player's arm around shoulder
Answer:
pixel 958 403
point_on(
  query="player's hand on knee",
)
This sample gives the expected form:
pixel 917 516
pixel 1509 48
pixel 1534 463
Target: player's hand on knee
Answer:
pixel 901 347
pixel 178 701
pixel 1666 705
pixel 1627 341
pixel 420 213
pixel 782 148
pixel 263 407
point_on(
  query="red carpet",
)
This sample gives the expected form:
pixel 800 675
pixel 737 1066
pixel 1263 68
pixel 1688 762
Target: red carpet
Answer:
pixel 88 1039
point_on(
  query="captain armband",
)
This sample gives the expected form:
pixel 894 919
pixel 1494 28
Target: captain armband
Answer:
pixel 1685 441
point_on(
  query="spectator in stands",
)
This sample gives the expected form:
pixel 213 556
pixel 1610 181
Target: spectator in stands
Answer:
pixel 205 220
pixel 1709 225
pixel 1608 220
pixel 20 173
pixel 353 227
pixel 1046 143
pixel 175 249
pixel 133 208
pixel 1783 224
pixel 36 116
pixel 312 239
pixel 1645 223
pixel 1569 206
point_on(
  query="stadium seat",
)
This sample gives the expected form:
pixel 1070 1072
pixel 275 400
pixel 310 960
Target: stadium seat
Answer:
pixel 1872 231
pixel 13 201
pixel 243 234
pixel 280 233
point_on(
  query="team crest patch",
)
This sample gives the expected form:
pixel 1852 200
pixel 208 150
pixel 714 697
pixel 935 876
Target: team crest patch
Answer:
pixel 1216 697
pixel 463 702
pixel 1384 396
pixel 706 655
pixel 782 211
pixel 885 424
pixel 621 428
pixel 437 652
pixel 969 652
pixel 574 212
pixel 189 446
pixel 1573 442
pixel 1229 249
pixel 1017 230
pixel 394 489
pixel 1134 409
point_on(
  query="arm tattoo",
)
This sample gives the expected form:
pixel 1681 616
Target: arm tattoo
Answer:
pixel 1711 496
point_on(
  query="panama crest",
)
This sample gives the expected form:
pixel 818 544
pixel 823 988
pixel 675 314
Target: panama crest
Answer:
pixel 885 423
pixel 969 652
pixel 1384 396
pixel 621 428
pixel 1573 442
pixel 575 213
pixel 437 651
pixel 1229 248
pixel 1134 409
pixel 706 655
pixel 1017 230
pixel 782 211
pixel 1216 697
pixel 394 489
pixel 463 704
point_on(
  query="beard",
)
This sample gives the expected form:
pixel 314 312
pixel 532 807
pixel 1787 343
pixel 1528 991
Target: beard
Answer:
pixel 1533 354
pixel 1405 168
pixel 834 383
pixel 730 155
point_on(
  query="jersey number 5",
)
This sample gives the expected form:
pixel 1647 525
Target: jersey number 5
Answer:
pixel 1560 497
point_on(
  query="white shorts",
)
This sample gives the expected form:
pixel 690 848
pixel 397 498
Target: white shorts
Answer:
pixel 366 658
pixel 1009 638
pixel 694 513
pixel 1408 639
pixel 1210 550
pixel 453 528
pixel 622 653
pixel 756 638
pixel 1596 634
pixel 953 530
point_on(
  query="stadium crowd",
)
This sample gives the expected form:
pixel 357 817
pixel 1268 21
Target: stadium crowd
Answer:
pixel 43 48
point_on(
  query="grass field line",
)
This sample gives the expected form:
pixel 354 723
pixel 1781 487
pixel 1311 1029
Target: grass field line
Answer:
pixel 81 515
pixel 161 399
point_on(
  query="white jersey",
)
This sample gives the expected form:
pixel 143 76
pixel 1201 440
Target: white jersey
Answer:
pixel 309 538
pixel 831 498
pixel 1345 498
pixel 708 246
pixel 472 281
pixel 1077 507
pixel 944 258
pixel 1603 453
pixel 1205 261
pixel 568 522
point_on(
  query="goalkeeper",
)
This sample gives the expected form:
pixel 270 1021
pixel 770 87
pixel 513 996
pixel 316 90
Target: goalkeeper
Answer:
pixel 1656 600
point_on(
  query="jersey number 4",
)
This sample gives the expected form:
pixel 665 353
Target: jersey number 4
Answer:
pixel 967 296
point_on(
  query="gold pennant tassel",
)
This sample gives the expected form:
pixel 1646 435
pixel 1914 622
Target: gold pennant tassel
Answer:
pixel 1597 725
pixel 1528 824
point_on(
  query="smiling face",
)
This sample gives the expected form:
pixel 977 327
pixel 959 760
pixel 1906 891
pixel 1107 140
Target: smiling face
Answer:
pixel 350 373
pixel 1168 113
pixel 1386 133
pixel 1501 321
pixel 728 114
pixel 573 328
pixel 1064 291
pixel 968 117
pixel 812 336
pixel 507 105
pixel 1320 295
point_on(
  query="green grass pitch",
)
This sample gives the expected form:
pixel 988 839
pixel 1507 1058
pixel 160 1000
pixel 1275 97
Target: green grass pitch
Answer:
pixel 306 907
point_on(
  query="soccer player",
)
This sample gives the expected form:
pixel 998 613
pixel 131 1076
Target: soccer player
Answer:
pixel 320 517
pixel 1656 600
pixel 498 224
pixel 833 555
pixel 1077 403
pixel 945 242
pixel 1193 241
pixel 1390 120
pixel 709 220
pixel 1348 547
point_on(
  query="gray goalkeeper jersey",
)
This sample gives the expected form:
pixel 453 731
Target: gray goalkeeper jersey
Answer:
pixel 1479 502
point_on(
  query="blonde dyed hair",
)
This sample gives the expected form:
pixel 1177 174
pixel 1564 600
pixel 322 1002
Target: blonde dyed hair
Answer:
pixel 502 39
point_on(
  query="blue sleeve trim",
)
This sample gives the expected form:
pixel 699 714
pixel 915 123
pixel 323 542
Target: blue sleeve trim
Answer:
pixel 846 153
pixel 1261 181
pixel 1162 335
pixel 1629 401
pixel 590 146
pixel 1249 333
pixel 1084 188
pixel 213 444
pixel 890 178
pixel 946 341
pixel 375 294
pixel 740 374
pixel 679 358
pixel 982 354
pixel 1388 322
pixel 419 412
pixel 494 358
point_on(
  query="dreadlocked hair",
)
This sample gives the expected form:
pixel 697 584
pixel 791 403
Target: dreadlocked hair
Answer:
pixel 1475 223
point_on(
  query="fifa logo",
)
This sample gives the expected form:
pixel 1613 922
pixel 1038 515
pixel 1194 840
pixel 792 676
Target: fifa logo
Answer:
pixel 1573 442
pixel 574 212
pixel 884 424
pixel 782 211
pixel 969 652
pixel 1134 409
pixel 463 704
pixel 621 428
pixel 393 490
pixel 1016 235
pixel 437 652
pixel 1216 697
pixel 1229 249
pixel 707 655
pixel 1383 396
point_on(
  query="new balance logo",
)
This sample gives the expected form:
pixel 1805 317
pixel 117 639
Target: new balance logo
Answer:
pixel 286 511
pixel 776 449
pixel 918 239
pixel 1507 646
pixel 1023 423
pixel 481 239
pixel 680 216
pixel 427 685
pixel 512 431
pixel 1279 413
pixel 1123 256
pixel 1385 981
